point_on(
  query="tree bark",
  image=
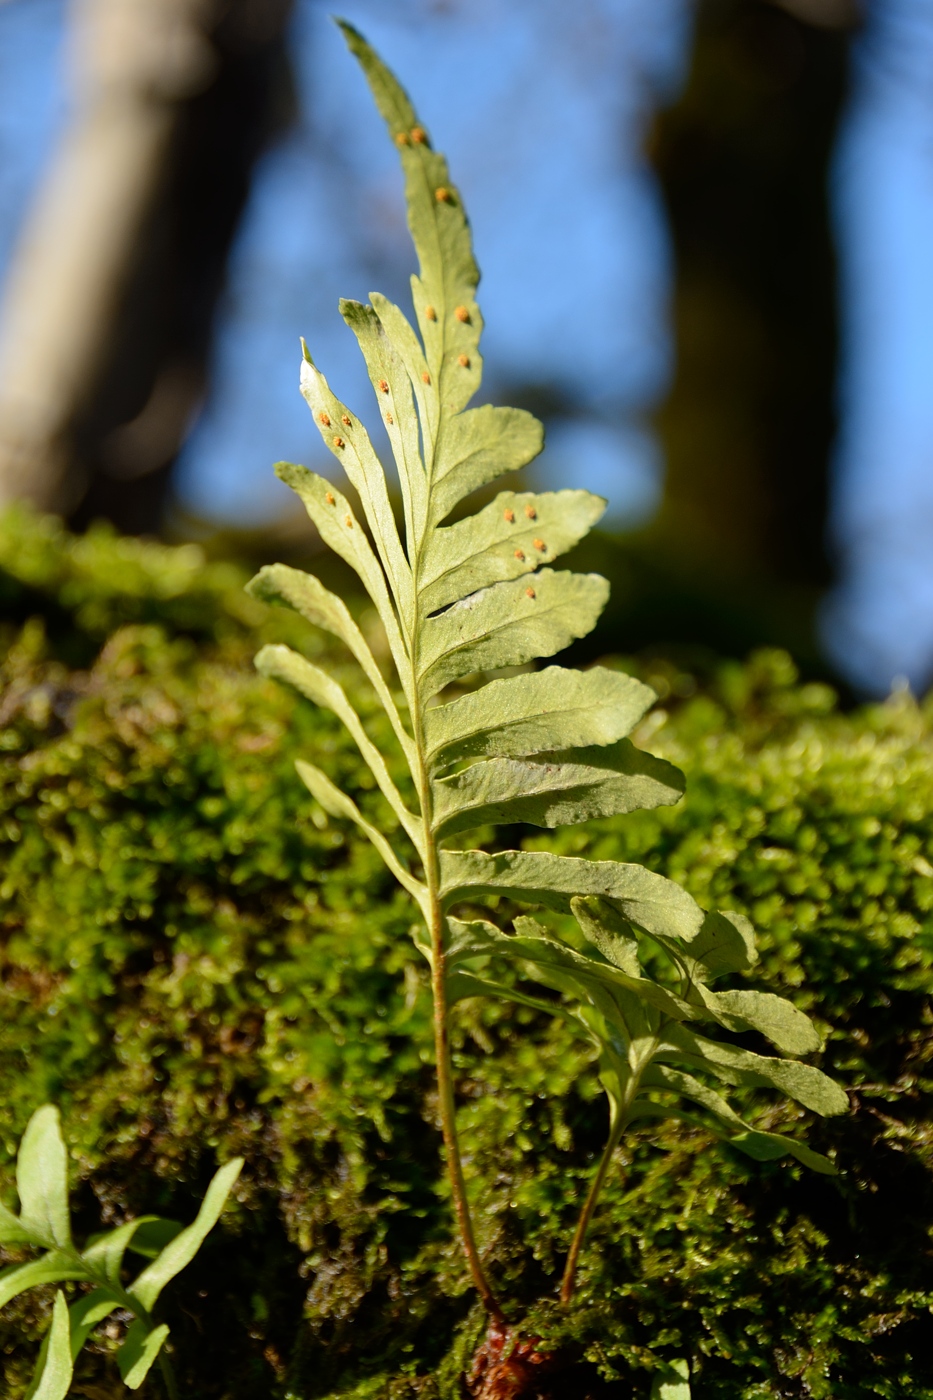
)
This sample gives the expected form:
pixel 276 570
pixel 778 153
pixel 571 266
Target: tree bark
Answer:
pixel 101 363
pixel 132 61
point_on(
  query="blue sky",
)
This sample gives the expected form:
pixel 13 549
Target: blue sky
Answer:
pixel 541 110
pixel 542 124
pixel 878 622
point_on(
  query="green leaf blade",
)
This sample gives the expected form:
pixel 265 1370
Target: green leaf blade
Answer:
pixel 509 538
pixel 52 1377
pixel 393 390
pixel 725 942
pixel 509 624
pixel 42 1178
pixel 182 1249
pixel 409 350
pixel 54 1267
pixel 474 448
pixel 86 1312
pixel 761 1146
pixel 671 1382
pixel 278 583
pixel 339 805
pixel 347 439
pixel 139 1351
pixel 107 1251
pixel 283 664
pixel 555 789
pixel 772 1016
pixel 803 1083
pixel 537 877
pixel 339 528
pixel 549 709
pixel 441 235
pixel 13 1231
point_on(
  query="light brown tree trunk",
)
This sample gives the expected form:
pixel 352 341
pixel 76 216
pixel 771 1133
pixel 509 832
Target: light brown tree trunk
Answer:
pixel 133 63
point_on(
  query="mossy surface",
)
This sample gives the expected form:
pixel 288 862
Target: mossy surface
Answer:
pixel 196 963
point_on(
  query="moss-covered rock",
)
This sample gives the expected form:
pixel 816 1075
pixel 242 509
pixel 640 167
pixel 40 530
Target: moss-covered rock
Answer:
pixel 196 963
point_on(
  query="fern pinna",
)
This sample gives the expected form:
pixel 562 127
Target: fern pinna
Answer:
pixel 546 747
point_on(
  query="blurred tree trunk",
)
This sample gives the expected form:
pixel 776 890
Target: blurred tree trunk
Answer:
pixel 105 325
pixel 743 159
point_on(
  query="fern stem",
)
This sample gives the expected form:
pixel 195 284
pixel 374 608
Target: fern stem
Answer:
pixel 445 1090
pixel 168 1376
pixel 617 1125
pixel 569 1280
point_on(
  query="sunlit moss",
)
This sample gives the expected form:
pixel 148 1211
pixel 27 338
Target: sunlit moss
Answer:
pixel 196 964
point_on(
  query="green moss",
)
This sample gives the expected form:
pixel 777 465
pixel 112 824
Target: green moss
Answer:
pixel 195 963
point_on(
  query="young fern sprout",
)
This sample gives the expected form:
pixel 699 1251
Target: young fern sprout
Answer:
pixel 546 748
pixel 44 1225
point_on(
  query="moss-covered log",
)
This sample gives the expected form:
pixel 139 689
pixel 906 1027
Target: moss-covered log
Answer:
pixel 193 972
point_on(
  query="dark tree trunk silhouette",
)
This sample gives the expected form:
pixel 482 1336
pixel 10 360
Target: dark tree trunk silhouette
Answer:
pixel 109 304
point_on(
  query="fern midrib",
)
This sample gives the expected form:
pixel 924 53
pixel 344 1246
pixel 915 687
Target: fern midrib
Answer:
pixel 99 1277
pixel 643 1060
pixel 432 879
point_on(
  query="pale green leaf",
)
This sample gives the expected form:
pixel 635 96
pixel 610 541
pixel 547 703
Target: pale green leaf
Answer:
pixel 441 235
pixel 555 789
pixel 772 1016
pixel 552 708
pixel 86 1312
pixel 461 984
pixel 106 1251
pixel 408 347
pixel 277 583
pixel 602 926
pixel 392 387
pixel 623 1010
pixel 509 538
pixel 339 805
pixel 786 1027
pixel 476 447
pixel 139 1351
pixel 762 1146
pixel 724 943
pixel 339 528
pixel 647 900
pixel 54 1267
pixel 804 1083
pixel 350 444
pixel 568 971
pixel 182 1249
pixel 13 1231
pixel 283 664
pixel 671 1382
pixel 52 1377
pixel 509 624
pixel 153 1235
pixel 42 1178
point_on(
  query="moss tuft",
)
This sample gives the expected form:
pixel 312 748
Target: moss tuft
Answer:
pixel 195 963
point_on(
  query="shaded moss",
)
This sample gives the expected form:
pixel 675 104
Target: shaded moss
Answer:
pixel 196 963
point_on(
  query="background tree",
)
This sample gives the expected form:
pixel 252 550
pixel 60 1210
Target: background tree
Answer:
pixel 106 322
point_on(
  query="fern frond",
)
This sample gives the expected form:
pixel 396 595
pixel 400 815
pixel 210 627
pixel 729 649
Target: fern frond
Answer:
pixel 548 748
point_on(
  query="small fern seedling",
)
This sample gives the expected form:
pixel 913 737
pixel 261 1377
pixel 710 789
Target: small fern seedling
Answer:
pixel 547 748
pixel 44 1225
